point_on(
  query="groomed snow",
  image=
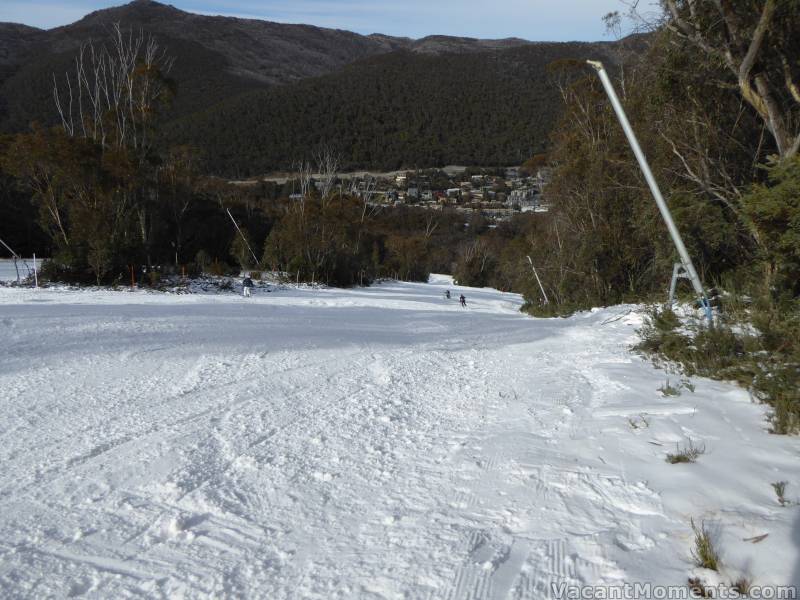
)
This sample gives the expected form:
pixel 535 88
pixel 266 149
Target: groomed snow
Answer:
pixel 370 443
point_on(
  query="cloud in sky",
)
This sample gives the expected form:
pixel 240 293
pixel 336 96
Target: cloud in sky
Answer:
pixel 550 20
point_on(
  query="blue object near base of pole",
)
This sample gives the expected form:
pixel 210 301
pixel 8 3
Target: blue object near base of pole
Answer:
pixel 706 304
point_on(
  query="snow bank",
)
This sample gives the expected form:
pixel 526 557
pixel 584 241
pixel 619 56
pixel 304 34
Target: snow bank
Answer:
pixel 369 443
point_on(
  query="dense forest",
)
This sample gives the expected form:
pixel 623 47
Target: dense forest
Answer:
pixel 388 112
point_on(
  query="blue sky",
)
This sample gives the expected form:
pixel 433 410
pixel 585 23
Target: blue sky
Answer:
pixel 546 20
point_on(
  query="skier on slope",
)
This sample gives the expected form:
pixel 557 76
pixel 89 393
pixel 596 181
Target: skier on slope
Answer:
pixel 247 285
pixel 463 301
pixel 447 294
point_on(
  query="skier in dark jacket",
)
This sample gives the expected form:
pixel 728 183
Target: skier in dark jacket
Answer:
pixel 463 301
pixel 447 294
pixel 247 285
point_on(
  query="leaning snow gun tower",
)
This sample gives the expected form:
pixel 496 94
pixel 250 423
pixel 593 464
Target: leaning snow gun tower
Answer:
pixel 684 269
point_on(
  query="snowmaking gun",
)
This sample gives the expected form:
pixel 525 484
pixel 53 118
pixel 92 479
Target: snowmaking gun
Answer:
pixel 684 269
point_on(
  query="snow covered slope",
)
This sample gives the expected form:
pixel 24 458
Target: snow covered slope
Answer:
pixel 372 443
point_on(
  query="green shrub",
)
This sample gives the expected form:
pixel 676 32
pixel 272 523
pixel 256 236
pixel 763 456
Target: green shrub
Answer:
pixel 687 454
pixel 774 209
pixel 743 585
pixel 704 553
pixel 780 492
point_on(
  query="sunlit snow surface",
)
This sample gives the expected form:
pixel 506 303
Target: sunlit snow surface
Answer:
pixel 368 443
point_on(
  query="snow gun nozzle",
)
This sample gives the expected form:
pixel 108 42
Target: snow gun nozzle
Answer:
pixel 595 64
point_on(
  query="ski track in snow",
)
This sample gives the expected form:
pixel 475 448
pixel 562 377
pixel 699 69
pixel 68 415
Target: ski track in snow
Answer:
pixel 378 443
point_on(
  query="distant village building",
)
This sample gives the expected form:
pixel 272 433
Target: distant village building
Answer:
pixel 523 195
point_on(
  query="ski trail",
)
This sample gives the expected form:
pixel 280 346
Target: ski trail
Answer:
pixel 378 444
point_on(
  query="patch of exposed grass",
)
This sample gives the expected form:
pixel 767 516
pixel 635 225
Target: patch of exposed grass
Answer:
pixel 669 390
pixel 704 553
pixel 780 492
pixel 743 585
pixel 688 453
pixel 758 348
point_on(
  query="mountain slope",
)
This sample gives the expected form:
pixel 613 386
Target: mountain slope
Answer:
pixel 255 95
pixel 216 57
pixel 398 110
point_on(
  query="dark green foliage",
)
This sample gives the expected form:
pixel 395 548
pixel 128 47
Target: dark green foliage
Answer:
pixel 774 208
pixel 19 226
pixel 392 111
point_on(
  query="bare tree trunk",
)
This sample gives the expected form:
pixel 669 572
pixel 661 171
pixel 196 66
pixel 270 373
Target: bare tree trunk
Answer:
pixel 746 65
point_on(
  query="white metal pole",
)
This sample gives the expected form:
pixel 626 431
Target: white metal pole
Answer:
pixel 651 181
pixel 244 239
pixel 539 281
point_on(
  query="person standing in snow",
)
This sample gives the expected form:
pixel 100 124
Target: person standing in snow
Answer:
pixel 463 301
pixel 447 294
pixel 247 285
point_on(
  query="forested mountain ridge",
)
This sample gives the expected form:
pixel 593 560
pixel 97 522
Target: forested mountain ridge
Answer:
pixel 251 93
pixel 398 110
pixel 216 57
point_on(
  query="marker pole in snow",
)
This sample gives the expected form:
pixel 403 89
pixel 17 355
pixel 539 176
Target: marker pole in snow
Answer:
pixel 686 261
pixel 539 281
